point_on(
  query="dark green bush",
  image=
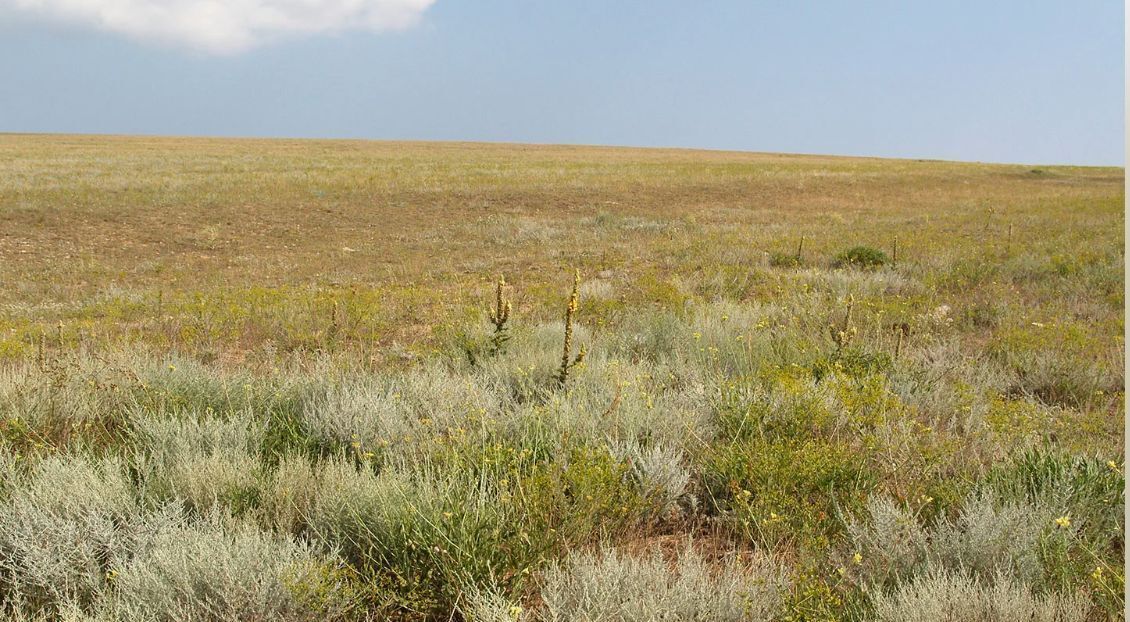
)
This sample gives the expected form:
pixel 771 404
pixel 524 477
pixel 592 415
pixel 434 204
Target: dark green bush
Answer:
pixel 981 315
pixel 1090 492
pixel 585 498
pixel 853 362
pixel 787 491
pixel 785 260
pixel 1089 488
pixel 863 257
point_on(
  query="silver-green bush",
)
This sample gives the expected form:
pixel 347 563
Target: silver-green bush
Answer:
pixel 940 596
pixel 215 570
pixel 62 530
pixel 987 538
pixel 615 587
pixel 204 461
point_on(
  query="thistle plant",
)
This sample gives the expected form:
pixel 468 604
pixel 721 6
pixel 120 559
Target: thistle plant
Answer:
pixel 800 250
pixel 499 315
pixel 895 250
pixel 568 361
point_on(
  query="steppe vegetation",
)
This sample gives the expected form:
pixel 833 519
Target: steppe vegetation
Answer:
pixel 283 380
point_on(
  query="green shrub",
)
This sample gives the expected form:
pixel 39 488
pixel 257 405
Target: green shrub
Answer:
pixel 785 491
pixel 981 315
pixel 1089 489
pixel 794 406
pixel 782 408
pixel 590 495
pixel 862 257
pixel 1056 370
pixel 1089 492
pixel 817 594
pixel 854 362
pixel 422 540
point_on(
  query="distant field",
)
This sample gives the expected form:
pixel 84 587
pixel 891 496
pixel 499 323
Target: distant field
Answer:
pixel 224 245
pixel 256 379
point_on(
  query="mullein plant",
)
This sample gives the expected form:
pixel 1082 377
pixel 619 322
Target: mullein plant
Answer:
pixel 903 331
pixel 842 334
pixel 568 361
pixel 41 356
pixel 335 321
pixel 499 315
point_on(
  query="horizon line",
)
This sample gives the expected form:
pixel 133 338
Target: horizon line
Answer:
pixel 500 142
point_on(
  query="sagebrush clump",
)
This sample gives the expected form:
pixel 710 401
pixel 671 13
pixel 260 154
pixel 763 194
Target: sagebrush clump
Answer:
pixel 619 587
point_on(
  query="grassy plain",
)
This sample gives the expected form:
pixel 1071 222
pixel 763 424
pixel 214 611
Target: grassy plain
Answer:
pixel 254 379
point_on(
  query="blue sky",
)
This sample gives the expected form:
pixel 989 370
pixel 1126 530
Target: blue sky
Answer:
pixel 1011 81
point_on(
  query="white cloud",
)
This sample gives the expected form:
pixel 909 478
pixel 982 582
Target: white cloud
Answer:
pixel 226 26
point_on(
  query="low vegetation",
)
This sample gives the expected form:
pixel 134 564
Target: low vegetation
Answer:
pixel 255 380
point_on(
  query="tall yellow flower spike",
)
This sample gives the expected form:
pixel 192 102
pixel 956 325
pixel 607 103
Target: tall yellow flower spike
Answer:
pixel 567 359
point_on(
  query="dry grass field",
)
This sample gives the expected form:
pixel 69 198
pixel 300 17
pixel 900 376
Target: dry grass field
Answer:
pixel 258 379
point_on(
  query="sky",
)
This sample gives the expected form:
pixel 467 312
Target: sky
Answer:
pixel 1029 81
